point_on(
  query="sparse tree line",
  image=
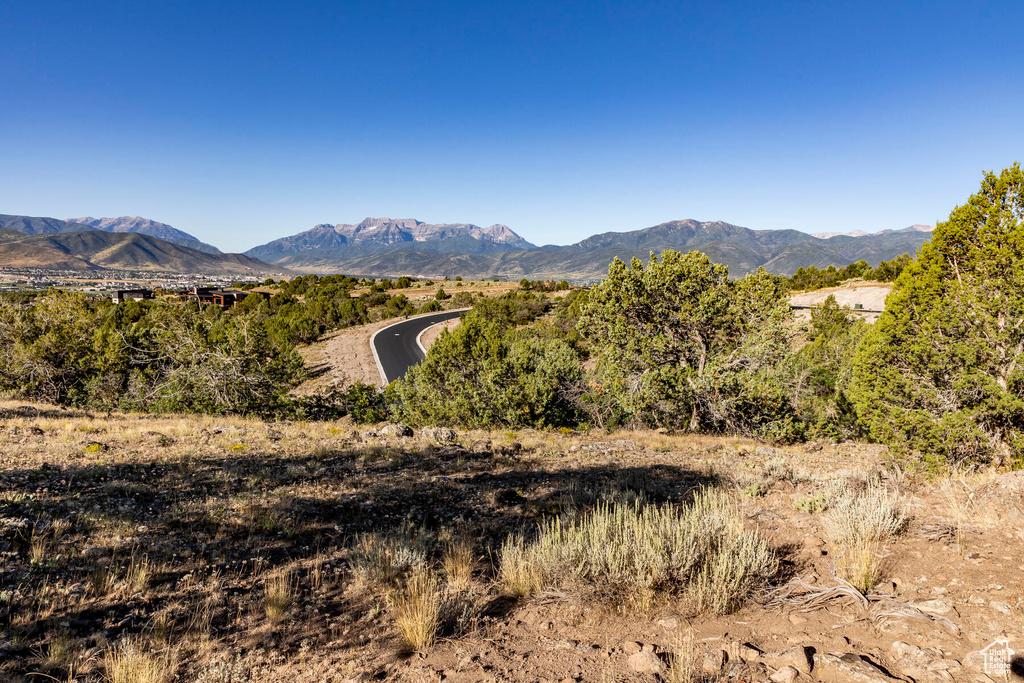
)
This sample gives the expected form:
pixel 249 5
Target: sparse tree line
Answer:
pixel 670 343
pixel 811 278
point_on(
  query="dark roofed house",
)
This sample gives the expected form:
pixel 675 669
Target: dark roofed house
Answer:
pixel 225 298
pixel 122 295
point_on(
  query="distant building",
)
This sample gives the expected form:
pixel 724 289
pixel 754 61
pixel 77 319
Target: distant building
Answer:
pixel 225 298
pixel 122 295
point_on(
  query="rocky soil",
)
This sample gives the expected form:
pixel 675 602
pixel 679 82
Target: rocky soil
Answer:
pixel 167 533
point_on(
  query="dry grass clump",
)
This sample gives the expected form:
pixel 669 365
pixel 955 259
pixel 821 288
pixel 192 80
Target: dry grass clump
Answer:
pixel 459 561
pixel 279 593
pixel 700 549
pixel 860 524
pixel 417 607
pixel 60 651
pixel 140 571
pixel 386 559
pixel 684 664
pixel 128 662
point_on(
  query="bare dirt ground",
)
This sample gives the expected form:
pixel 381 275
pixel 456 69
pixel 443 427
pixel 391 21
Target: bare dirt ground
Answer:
pixel 870 295
pixel 431 334
pixel 421 291
pixel 341 358
pixel 225 549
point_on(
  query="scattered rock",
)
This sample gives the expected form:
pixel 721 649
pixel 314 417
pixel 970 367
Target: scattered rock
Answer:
pixel 766 452
pixel 509 448
pixel 646 663
pixel 932 606
pixel 481 446
pixel 715 661
pixel 747 652
pixel 799 658
pixel 631 647
pixel 441 435
pixel 369 434
pixel 852 667
pixel 796 619
pixel 396 430
pixel 669 623
pixel 786 674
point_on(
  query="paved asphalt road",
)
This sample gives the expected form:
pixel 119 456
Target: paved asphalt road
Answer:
pixel 395 346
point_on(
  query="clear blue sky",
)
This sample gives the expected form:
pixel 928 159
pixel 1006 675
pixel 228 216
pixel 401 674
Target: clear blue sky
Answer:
pixel 241 122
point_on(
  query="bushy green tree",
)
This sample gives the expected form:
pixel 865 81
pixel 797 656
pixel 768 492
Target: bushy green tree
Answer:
pixel 820 372
pixel 481 375
pixel 48 350
pixel 680 344
pixel 942 371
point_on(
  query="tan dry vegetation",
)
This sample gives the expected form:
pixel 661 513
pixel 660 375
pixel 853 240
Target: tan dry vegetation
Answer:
pixel 151 544
pixel 422 291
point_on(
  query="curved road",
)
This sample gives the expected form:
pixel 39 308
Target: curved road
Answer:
pixel 395 347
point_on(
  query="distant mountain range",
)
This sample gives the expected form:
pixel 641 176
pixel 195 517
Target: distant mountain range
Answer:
pixel 382 247
pixel 128 224
pixel 385 247
pixel 144 226
pixel 861 233
pixel 27 242
pixel 325 242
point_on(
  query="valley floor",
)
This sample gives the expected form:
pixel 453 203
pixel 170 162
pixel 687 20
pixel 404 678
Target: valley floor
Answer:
pixel 223 549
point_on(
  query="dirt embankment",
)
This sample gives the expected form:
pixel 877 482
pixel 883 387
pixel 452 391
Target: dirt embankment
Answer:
pixel 431 334
pixel 870 295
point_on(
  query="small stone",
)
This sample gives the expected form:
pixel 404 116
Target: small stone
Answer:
pixel 786 674
pixel 932 606
pixel 441 435
pixel 645 663
pixel 1001 607
pixel 799 658
pixel 796 619
pixel 851 667
pixel 631 647
pixel 748 653
pixel 509 448
pixel 668 624
pixel 396 430
pixel 715 661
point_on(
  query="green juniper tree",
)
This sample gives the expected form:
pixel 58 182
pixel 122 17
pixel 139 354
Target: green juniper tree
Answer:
pixel 942 371
pixel 680 344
